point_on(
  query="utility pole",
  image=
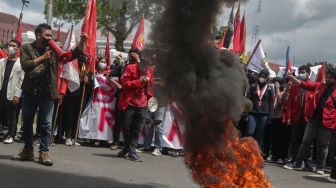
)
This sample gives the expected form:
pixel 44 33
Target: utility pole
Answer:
pixel 49 17
pixel 256 27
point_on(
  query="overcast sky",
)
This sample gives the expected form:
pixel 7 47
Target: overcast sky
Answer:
pixel 307 26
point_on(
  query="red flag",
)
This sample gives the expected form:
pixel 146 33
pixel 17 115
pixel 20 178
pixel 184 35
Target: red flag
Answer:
pixel 242 35
pixel 221 42
pixel 107 50
pixel 19 34
pixel 289 66
pixel 236 36
pixel 2 54
pixel 59 33
pixel 90 27
pixel 321 74
pixel 139 38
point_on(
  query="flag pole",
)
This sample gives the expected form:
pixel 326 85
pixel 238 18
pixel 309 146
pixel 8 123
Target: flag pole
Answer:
pixel 81 106
pixel 55 122
pixel 254 50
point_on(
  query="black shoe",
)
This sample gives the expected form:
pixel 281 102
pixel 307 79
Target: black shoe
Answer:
pixel 297 166
pixel 308 167
pixel 134 157
pixel 123 153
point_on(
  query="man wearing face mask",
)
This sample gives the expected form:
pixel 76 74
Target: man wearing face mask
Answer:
pixel 136 82
pixel 39 90
pixel 296 109
pixel 11 77
pixel 262 95
pixel 322 119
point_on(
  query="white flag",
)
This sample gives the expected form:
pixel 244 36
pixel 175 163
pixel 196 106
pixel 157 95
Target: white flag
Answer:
pixel 314 72
pixel 70 70
pixel 258 61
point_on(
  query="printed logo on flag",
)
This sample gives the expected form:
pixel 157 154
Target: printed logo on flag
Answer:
pixel 141 41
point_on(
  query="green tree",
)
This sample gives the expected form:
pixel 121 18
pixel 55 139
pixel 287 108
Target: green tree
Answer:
pixel 119 17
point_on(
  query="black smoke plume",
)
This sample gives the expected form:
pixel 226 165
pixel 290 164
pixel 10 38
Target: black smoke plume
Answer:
pixel 208 86
pixel 206 83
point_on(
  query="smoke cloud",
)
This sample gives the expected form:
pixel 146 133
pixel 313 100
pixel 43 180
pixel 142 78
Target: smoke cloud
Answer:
pixel 208 86
pixel 206 83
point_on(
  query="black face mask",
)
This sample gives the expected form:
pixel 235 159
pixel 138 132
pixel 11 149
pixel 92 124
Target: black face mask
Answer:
pixel 330 85
pixel 45 41
pixel 142 67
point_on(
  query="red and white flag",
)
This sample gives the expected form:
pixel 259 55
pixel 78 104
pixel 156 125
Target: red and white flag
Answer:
pixel 321 74
pixel 139 38
pixel 70 70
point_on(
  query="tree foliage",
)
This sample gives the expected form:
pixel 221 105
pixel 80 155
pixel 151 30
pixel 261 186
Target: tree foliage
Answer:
pixel 119 17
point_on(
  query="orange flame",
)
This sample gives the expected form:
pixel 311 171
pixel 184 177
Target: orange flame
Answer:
pixel 238 164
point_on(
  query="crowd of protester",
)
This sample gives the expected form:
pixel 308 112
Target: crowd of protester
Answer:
pixel 293 119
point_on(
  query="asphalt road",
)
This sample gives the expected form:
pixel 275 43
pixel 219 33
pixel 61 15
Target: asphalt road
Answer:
pixel 99 167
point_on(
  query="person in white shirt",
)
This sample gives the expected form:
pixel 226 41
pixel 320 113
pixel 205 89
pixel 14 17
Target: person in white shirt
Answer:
pixel 11 77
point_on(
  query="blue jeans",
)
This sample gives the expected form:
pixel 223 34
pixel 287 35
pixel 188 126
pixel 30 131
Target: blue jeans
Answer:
pixel 256 127
pixel 155 130
pixel 29 108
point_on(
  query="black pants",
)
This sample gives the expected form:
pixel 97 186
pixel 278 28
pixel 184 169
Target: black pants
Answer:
pixel 298 130
pixel 280 139
pixel 315 130
pixel 133 118
pixel 8 115
pixel 71 108
pixel 118 123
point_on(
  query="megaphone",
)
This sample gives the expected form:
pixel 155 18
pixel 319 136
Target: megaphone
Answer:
pixel 62 56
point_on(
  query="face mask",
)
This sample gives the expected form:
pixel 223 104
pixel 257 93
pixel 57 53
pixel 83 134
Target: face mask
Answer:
pixel 302 76
pixel 102 66
pixel 330 85
pixel 11 51
pixel 44 41
pixel 262 80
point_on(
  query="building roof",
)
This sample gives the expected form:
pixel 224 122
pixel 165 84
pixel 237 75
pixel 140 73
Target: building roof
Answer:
pixel 10 22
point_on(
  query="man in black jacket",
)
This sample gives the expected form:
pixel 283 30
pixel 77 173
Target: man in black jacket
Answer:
pixel 39 90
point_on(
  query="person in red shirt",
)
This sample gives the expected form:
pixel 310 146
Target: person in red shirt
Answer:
pixel 296 107
pixel 136 82
pixel 322 119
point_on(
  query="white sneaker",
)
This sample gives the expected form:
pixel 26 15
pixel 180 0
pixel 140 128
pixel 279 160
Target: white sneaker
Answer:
pixel 9 140
pixel 331 180
pixel 68 142
pixel 156 152
pixel 76 143
pixel 319 171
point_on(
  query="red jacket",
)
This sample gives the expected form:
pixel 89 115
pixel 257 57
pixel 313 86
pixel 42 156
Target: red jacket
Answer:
pixel 329 110
pixel 130 82
pixel 293 105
